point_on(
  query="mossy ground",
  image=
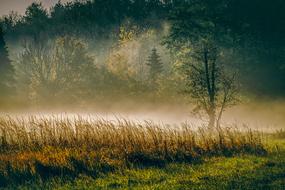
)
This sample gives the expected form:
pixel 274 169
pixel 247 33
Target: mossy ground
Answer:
pixel 238 172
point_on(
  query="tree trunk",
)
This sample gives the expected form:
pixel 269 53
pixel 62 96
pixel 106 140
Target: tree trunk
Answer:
pixel 222 109
pixel 211 88
pixel 212 118
pixel 219 119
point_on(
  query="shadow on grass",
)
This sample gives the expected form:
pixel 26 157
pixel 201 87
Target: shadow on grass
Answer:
pixel 271 175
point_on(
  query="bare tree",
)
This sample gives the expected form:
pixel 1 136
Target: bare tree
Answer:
pixel 210 86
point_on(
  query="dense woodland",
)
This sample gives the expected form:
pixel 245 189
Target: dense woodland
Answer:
pixel 156 50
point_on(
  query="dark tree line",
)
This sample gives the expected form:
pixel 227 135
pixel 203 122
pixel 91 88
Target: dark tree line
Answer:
pixel 91 18
pixel 251 31
pixel 6 69
pixel 210 41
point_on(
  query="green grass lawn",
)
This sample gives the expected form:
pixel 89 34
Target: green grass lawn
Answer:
pixel 239 172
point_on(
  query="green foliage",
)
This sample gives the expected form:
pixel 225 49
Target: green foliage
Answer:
pixel 155 66
pixel 57 73
pixel 200 37
pixel 239 172
pixel 143 24
pixel 236 26
pixel 6 69
pixel 35 21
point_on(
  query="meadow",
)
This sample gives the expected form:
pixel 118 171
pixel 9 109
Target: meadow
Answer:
pixel 92 153
pixel 205 63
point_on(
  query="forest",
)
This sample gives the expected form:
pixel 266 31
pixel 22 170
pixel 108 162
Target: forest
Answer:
pixel 199 56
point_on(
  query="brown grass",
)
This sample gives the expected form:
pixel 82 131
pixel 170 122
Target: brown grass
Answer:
pixel 34 147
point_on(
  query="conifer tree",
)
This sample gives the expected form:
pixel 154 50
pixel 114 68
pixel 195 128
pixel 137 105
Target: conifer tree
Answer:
pixel 155 65
pixel 6 69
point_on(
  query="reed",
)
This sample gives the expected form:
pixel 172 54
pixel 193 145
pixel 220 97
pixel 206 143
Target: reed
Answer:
pixel 42 147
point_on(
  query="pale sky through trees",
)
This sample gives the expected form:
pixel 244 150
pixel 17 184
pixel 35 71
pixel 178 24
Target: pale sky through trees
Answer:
pixel 6 6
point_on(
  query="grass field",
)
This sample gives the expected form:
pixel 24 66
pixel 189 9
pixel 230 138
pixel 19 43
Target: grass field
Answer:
pixel 62 153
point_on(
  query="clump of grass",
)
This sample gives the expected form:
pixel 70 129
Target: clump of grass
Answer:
pixel 33 148
pixel 280 133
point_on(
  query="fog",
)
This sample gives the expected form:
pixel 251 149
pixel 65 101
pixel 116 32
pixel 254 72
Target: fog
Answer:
pixel 265 116
pixel 80 59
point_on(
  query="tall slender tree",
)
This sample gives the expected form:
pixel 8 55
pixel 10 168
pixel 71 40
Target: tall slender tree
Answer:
pixel 6 68
pixel 155 65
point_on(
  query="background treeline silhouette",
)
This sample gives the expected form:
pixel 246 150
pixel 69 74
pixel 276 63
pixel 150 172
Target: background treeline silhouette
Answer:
pixel 106 49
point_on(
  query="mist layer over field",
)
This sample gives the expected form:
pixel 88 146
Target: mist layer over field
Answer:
pixel 142 94
pixel 266 116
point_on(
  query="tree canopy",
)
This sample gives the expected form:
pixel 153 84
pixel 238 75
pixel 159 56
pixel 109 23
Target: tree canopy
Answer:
pixel 6 68
pixel 118 36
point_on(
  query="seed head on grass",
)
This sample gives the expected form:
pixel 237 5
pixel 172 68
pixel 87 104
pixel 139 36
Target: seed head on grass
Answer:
pixel 47 146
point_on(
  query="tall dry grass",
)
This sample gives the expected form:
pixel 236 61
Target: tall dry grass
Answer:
pixel 36 147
